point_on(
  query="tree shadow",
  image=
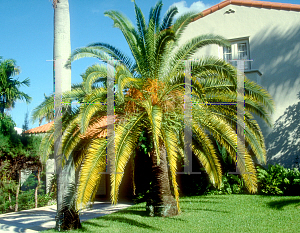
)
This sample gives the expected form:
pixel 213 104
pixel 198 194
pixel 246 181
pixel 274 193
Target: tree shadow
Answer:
pixel 204 209
pixel 195 199
pixel 199 201
pixel 85 229
pixel 280 69
pixel 129 221
pixel 282 203
pixel 141 213
pixel 282 143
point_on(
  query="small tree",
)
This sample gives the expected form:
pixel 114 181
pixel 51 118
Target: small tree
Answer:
pixel 16 153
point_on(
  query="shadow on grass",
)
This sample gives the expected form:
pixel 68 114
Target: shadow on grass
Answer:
pixel 203 209
pixel 129 221
pixel 134 212
pixel 85 229
pixel 196 201
pixel 143 213
pixel 280 204
pixel 204 197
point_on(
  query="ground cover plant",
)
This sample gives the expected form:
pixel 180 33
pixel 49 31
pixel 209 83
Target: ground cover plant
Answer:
pixel 211 213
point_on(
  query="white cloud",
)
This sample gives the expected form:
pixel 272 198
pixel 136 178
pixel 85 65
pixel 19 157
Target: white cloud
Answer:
pixel 195 7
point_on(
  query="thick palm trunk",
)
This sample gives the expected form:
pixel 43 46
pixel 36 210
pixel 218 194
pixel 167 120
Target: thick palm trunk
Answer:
pixel 160 201
pixel 62 80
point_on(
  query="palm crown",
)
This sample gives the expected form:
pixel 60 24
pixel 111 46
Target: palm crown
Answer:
pixel 150 98
pixel 9 88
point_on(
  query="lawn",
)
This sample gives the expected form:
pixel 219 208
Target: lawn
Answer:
pixel 213 213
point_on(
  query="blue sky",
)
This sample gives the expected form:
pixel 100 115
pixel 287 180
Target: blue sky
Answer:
pixel 27 36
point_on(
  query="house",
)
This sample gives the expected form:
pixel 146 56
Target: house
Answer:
pixel 267 33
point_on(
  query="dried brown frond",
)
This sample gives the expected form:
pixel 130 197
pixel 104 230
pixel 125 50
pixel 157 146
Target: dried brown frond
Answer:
pixel 134 94
pixel 153 86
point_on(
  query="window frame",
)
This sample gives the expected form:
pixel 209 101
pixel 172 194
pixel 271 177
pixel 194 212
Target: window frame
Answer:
pixel 234 50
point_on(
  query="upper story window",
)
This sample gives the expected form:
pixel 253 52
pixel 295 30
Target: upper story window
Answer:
pixel 239 50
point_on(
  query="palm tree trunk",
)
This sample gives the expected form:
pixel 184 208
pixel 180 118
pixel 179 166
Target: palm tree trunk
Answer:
pixel 62 80
pixel 18 191
pixel 160 202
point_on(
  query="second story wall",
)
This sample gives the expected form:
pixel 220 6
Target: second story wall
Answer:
pixel 273 38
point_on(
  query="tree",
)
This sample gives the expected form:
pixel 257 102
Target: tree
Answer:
pixel 9 87
pixel 62 80
pixel 16 153
pixel 150 98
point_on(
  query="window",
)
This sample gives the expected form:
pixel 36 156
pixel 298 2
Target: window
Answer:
pixel 239 50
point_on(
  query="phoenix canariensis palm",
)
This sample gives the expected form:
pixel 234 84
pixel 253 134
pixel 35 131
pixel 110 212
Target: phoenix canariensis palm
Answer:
pixel 150 98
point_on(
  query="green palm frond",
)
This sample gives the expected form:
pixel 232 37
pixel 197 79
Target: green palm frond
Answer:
pixel 155 15
pixel 89 52
pixel 130 34
pixel 150 45
pixel 114 52
pixel 171 144
pixel 211 69
pixel 95 104
pixel 168 18
pixel 183 21
pixel 141 26
pixel 45 110
pixel 126 138
pixel 155 118
pixel 89 176
pixel 207 155
pixel 93 74
pixel 45 148
pixel 187 50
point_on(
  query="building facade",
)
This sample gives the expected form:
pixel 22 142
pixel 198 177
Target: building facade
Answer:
pixel 267 33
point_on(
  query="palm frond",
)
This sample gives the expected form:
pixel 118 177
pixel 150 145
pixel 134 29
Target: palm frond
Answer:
pixel 155 119
pixel 168 18
pixel 89 176
pixel 155 15
pixel 207 155
pixel 171 144
pixel 114 52
pixel 126 138
pixel 93 74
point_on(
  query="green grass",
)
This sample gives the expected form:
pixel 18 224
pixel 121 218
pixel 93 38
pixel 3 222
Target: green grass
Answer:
pixel 213 213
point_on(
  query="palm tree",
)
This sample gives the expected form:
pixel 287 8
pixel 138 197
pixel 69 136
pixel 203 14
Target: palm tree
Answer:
pixel 62 81
pixel 149 99
pixel 9 87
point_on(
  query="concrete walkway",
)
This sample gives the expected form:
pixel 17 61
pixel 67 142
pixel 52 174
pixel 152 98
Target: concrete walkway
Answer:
pixel 43 218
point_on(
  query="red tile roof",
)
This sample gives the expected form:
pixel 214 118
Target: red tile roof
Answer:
pixel 251 3
pixel 93 131
pixel 40 129
pixel 96 130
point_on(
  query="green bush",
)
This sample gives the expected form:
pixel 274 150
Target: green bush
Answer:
pixel 26 200
pixel 277 180
pixel 231 184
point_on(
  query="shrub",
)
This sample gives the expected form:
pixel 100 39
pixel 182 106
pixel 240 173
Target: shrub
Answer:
pixel 277 180
pixel 231 184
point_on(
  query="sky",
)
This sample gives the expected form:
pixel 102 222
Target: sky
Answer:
pixel 27 37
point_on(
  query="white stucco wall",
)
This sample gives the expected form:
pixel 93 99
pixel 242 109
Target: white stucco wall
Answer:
pixel 274 41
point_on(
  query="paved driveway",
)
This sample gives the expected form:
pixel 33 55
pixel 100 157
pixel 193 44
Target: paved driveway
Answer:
pixel 43 218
